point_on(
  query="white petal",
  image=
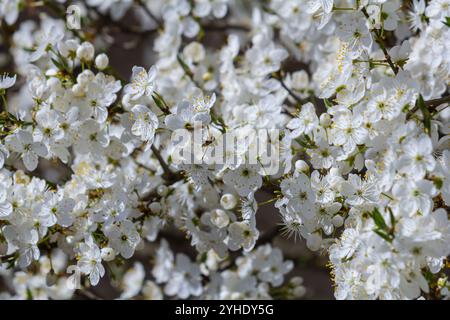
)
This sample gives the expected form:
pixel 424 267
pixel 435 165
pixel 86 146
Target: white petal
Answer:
pixel 5 209
pixel 30 160
pixel 40 149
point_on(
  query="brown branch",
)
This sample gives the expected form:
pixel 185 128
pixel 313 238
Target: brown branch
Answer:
pixel 433 104
pixel 291 93
pixel 379 40
pixel 168 174
pixel 149 13
pixel 437 102
pixel 4 259
pixel 299 100
pixel 225 27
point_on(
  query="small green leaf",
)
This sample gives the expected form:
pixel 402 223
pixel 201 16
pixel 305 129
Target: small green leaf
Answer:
pixel 438 182
pixel 420 103
pixel 59 65
pixel 391 216
pixel 401 63
pixel 161 98
pixel 327 103
pixel 378 219
pixel 306 142
pixel 447 21
pixel 382 234
pixel 29 294
pixel 159 101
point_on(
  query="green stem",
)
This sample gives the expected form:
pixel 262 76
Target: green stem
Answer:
pixel 5 103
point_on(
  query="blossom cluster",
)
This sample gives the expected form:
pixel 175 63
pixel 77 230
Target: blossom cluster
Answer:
pixel 352 101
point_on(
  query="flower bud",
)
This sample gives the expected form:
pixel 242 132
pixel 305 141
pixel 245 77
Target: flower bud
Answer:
pixel 86 51
pixel 228 201
pixel 299 292
pixel 220 218
pixel 337 221
pixel 101 61
pixel 325 120
pixel 162 190
pixel 296 281
pixel 78 90
pixel 194 51
pixel 85 77
pixel 155 207
pixel 70 239
pixel 301 166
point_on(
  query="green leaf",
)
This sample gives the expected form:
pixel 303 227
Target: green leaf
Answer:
pixel 382 234
pixel 438 182
pixel 327 103
pixel 29 294
pixel 306 142
pixel 161 98
pixel 391 216
pixel 378 219
pixel 447 21
pixel 420 103
pixel 59 65
pixel 159 101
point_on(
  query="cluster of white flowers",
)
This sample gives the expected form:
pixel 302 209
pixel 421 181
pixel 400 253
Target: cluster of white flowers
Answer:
pixel 257 275
pixel 352 101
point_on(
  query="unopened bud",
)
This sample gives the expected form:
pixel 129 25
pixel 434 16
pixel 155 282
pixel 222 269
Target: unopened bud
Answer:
pixel 325 120
pixel 101 61
pixel 228 201
pixel 86 51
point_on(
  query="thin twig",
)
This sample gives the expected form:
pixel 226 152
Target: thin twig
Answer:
pixel 149 13
pixel 433 104
pixel 188 72
pixel 379 40
pixel 225 27
pixel 291 93
pixel 4 259
pixel 437 102
pixel 169 175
